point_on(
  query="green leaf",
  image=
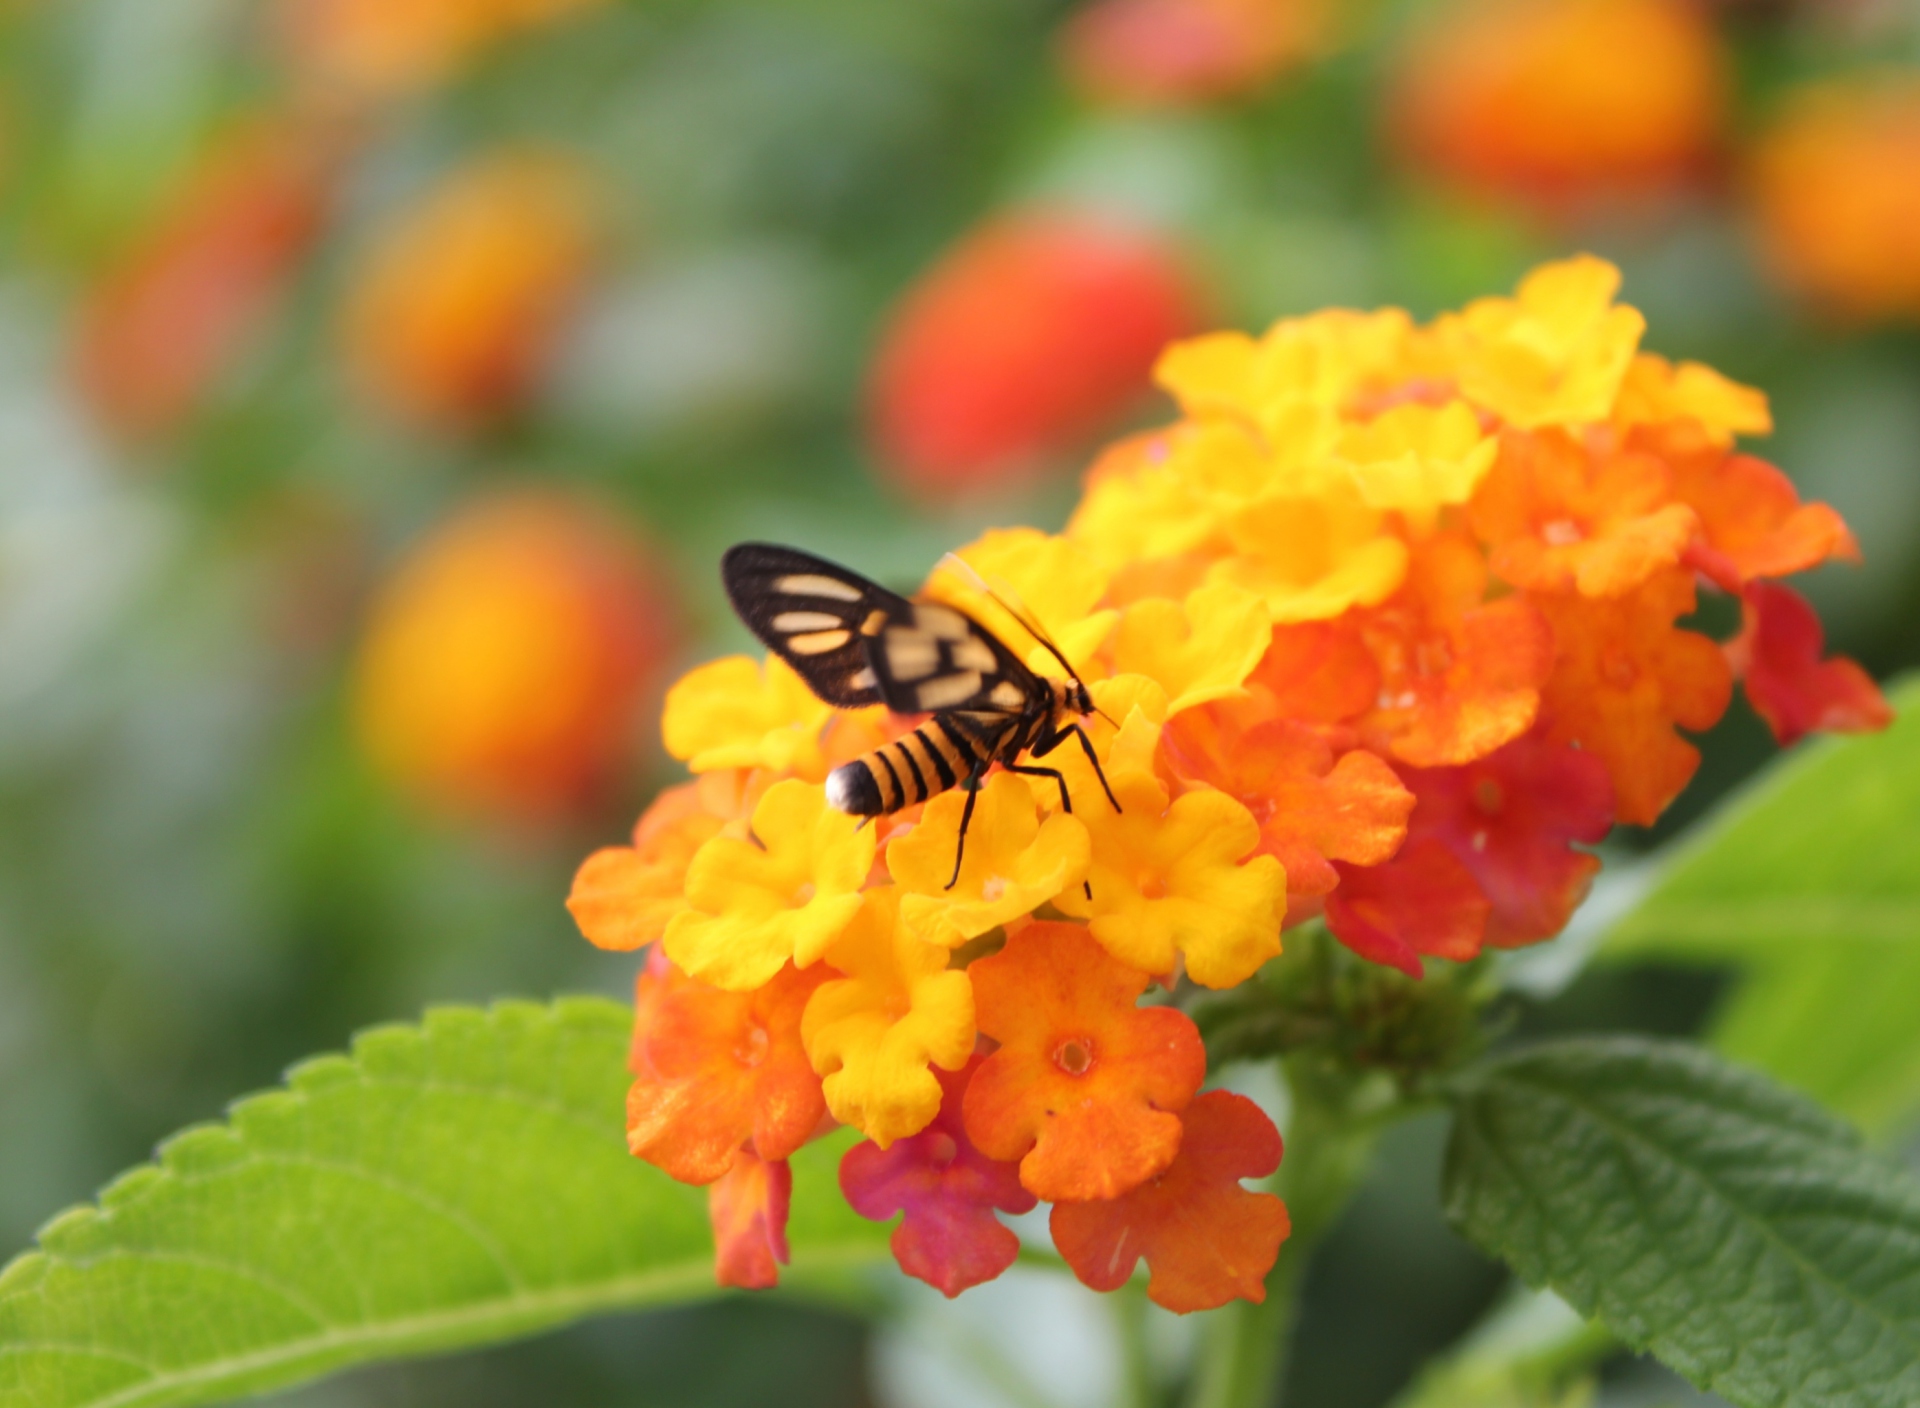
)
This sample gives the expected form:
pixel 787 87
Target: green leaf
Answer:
pixel 1731 1227
pixel 1809 880
pixel 450 1184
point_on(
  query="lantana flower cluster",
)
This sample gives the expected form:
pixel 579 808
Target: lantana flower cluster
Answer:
pixel 1385 629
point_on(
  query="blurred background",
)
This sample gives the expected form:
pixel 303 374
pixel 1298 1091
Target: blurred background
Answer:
pixel 380 381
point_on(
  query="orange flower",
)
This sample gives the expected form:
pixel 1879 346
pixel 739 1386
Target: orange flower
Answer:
pixel 1085 1087
pixel 1752 523
pixel 505 665
pixel 748 1209
pixel 1560 516
pixel 1206 1239
pixel 623 896
pixel 386 48
pixel 170 316
pixel 1316 672
pixel 718 1071
pixel 1032 334
pixel 1423 901
pixel 1624 677
pixel 1562 101
pixel 456 308
pixel 948 1190
pixel 1311 809
pixel 1836 196
pixel 1457 678
pixel 1778 656
pixel 1169 53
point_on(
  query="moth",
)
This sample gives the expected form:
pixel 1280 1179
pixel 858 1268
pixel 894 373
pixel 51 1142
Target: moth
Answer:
pixel 855 643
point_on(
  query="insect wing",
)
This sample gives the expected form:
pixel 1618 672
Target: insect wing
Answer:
pixel 816 615
pixel 937 659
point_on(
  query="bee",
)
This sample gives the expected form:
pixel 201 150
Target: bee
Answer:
pixel 855 643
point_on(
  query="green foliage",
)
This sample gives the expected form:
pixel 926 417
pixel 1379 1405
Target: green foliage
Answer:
pixel 451 1184
pixel 1810 881
pixel 1699 1211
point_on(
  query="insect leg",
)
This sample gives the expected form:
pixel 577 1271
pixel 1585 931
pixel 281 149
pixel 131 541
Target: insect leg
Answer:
pixel 1047 745
pixel 1066 801
pixel 972 785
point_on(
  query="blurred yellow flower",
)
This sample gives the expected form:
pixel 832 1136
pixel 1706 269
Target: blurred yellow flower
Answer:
pixel 1311 557
pixel 1014 862
pixel 456 308
pixel 786 893
pixel 1417 459
pixel 874 1033
pixel 735 713
pixel 1170 881
pixel 1198 649
pixel 385 48
pixel 1555 354
pixel 1656 392
pixel 505 664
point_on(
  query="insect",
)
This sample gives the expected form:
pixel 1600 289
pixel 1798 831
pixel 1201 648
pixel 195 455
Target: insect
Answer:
pixel 856 643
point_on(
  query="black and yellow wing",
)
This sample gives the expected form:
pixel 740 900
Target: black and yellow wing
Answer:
pixel 856 643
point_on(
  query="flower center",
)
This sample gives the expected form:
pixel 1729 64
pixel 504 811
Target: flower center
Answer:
pixel 751 1050
pixel 804 895
pixel 1561 533
pixel 1074 1056
pixel 995 887
pixel 1489 796
pixel 1151 885
pixel 942 1150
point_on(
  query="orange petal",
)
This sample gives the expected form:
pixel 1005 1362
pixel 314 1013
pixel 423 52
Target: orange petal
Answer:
pixel 716 1071
pixel 1206 1239
pixel 748 1210
pixel 1084 1085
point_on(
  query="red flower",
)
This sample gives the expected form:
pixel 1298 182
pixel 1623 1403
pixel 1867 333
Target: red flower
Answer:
pixel 1511 819
pixel 1033 334
pixel 948 1190
pixel 1778 657
pixel 1206 1239
pixel 1423 901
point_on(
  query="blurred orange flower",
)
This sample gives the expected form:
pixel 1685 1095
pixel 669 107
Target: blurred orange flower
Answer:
pixel 1836 195
pixel 1167 53
pixel 457 305
pixel 170 316
pixel 1562 102
pixel 1033 334
pixel 506 663
pixel 382 48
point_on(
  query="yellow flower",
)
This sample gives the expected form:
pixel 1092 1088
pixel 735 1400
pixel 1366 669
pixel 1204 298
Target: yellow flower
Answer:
pixel 1169 880
pixel 1197 650
pixel 1140 706
pixel 1151 513
pixel 873 1034
pixel 1556 354
pixel 1014 862
pixel 785 894
pixel 1311 557
pixel 1657 392
pixel 1326 360
pixel 1417 459
pixel 1052 577
pixel 731 714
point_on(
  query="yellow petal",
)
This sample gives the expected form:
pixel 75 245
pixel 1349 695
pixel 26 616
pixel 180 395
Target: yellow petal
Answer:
pixel 1657 392
pixel 873 1034
pixel 1417 459
pixel 1013 864
pixel 752 907
pixel 1196 650
pixel 1167 882
pixel 733 714
pixel 1310 559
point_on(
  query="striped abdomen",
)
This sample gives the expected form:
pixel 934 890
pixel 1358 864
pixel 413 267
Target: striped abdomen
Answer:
pixel 910 769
